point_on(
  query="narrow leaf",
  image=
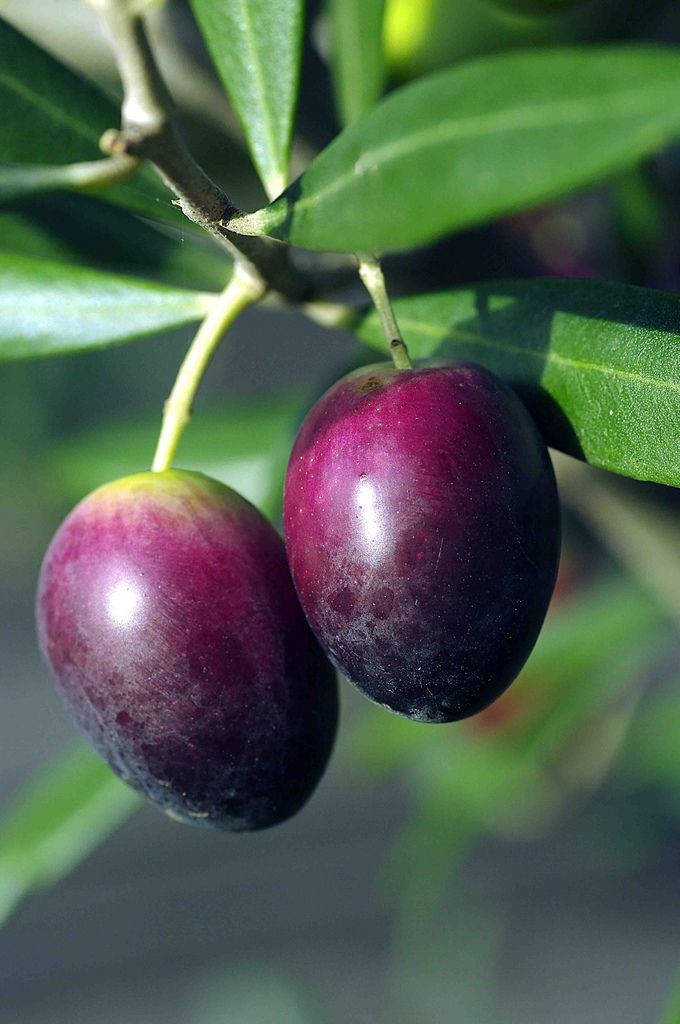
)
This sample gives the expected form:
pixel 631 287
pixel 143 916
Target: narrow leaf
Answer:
pixel 52 116
pixel 478 141
pixel 50 308
pixel 91 232
pixel 597 364
pixel 256 50
pixel 67 811
pixel 356 55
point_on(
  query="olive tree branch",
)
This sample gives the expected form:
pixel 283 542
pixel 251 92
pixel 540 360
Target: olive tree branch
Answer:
pixel 149 132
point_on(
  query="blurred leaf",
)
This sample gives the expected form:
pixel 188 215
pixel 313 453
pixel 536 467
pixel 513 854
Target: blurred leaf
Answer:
pixel 256 50
pixel 67 811
pixel 245 445
pixel 356 55
pixel 597 364
pixel 672 1012
pixel 259 995
pixel 49 308
pixel 447 959
pixel 478 141
pixel 53 116
pixel 583 657
pixel 643 535
pixel 641 214
pixel 23 235
pixel 76 228
pixel 655 741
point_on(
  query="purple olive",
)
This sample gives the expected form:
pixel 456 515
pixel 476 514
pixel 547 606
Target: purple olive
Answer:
pixel 168 616
pixel 422 528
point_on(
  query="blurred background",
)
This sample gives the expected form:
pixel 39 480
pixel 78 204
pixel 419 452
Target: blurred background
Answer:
pixel 521 866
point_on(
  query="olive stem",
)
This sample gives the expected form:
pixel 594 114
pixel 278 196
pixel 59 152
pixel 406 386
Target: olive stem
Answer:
pixel 371 274
pixel 242 291
pixel 85 176
pixel 149 132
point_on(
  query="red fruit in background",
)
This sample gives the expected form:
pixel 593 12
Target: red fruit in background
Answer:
pixel 168 616
pixel 422 528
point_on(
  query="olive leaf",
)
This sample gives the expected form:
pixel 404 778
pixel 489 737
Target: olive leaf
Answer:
pixel 256 50
pixel 65 813
pixel 49 308
pixel 478 141
pixel 357 59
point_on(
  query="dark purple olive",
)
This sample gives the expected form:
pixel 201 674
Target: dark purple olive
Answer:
pixel 422 528
pixel 168 616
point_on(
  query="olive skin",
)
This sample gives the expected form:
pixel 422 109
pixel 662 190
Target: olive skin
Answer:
pixel 422 528
pixel 168 617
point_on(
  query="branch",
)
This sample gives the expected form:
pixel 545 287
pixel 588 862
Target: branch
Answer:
pixel 149 132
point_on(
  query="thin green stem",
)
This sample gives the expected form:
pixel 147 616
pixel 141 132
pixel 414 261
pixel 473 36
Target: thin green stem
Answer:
pixel 371 274
pixel 241 292
pixel 17 180
pixel 96 174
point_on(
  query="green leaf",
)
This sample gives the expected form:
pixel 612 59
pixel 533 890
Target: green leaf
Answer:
pixel 652 756
pixel 52 116
pixel 597 364
pixel 87 231
pixel 67 811
pixel 256 50
pixel 478 141
pixel 357 59
pixel 50 308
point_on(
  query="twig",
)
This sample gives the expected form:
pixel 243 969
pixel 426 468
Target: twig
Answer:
pixel 17 180
pixel 149 132
pixel 371 274
pixel 241 292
